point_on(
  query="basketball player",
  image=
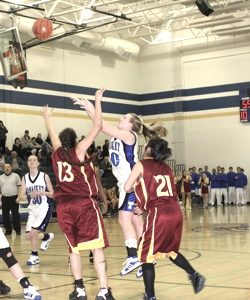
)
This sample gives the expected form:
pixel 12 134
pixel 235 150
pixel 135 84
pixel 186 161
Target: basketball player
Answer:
pixel 78 213
pixel 156 194
pixel 123 156
pixel 37 187
pixel 8 257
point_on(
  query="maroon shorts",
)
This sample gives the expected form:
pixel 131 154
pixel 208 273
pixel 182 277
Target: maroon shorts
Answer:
pixel 161 232
pixel 82 224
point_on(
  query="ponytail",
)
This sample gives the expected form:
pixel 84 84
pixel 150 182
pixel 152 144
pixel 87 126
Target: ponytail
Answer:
pixel 153 130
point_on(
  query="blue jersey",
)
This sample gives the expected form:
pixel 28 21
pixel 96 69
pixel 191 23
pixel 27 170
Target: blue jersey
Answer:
pixel 231 179
pixel 239 180
pixel 223 180
pixel 244 179
pixel 215 181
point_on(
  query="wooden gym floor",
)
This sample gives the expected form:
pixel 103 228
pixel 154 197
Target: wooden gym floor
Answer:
pixel 216 241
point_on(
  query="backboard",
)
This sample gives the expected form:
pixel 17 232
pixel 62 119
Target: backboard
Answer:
pixel 12 56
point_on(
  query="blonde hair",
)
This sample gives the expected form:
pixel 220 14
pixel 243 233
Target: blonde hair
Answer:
pixel 152 130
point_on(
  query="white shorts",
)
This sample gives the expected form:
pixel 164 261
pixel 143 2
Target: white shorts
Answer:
pixel 3 241
pixel 39 217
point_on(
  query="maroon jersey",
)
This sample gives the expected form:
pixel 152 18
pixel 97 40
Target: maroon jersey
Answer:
pixel 156 193
pixel 156 186
pixel 204 186
pixel 73 178
pixel 186 185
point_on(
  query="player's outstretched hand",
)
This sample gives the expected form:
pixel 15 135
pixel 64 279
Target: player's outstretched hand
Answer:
pixel 99 93
pixel 47 111
pixel 86 105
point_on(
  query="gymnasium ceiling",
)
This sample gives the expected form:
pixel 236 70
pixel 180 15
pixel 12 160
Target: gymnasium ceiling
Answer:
pixel 145 22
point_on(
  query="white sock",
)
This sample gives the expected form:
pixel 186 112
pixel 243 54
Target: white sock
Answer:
pixel 102 292
pixel 131 243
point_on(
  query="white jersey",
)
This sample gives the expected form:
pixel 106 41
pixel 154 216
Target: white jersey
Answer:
pixel 123 157
pixel 3 241
pixel 40 210
pixel 37 183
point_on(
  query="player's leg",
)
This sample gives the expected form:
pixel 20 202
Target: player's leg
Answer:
pixel 32 236
pixel 130 236
pixel 45 216
pixel 79 292
pixel 148 271
pixel 6 215
pixel 46 238
pixel 8 257
pixel 198 281
pixel 125 218
pixel 101 269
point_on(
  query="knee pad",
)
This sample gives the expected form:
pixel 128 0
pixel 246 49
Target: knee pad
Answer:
pixel 8 257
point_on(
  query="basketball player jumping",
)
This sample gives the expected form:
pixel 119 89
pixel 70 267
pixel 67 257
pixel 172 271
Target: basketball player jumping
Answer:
pixel 156 194
pixel 78 213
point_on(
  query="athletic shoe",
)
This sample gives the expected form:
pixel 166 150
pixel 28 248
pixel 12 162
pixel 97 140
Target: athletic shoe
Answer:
pixel 91 258
pixel 139 271
pixel 130 264
pixel 198 282
pixel 4 289
pixel 33 260
pixel 31 293
pixel 78 294
pixel 45 244
pixel 102 296
pixel 145 297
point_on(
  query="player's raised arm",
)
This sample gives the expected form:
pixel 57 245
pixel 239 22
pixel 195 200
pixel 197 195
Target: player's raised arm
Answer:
pixel 47 115
pixel 83 145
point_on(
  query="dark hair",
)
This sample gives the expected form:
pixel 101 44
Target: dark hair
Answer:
pixel 68 138
pixel 159 149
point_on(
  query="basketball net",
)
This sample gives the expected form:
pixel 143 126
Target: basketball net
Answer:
pixel 16 64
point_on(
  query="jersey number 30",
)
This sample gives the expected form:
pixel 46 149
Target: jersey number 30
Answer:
pixel 164 188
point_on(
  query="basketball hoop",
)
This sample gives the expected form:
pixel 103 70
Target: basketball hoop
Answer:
pixel 13 58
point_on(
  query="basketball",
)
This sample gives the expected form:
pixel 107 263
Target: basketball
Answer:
pixel 43 29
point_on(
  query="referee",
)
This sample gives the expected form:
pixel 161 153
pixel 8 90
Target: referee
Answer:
pixel 10 185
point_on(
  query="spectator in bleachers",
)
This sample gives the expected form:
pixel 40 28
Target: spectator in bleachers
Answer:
pixel 99 154
pixel 17 147
pixel 105 148
pixel 3 137
pixel 46 151
pixel 25 142
pixel 39 139
pixel 106 166
pixel 16 163
pixel 34 146
pixel 231 186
